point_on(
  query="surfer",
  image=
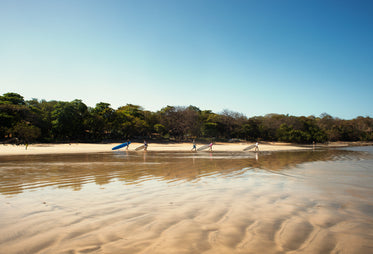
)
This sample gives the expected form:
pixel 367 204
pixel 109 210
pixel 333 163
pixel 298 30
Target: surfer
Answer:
pixel 256 147
pixel 210 147
pixel 145 146
pixel 194 146
pixel 128 144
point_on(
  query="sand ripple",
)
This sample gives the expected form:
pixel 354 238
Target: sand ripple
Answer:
pixel 206 206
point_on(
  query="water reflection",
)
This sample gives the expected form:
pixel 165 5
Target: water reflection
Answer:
pixel 19 173
pixel 298 202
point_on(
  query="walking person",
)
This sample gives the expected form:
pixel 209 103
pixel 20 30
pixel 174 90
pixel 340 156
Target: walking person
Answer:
pixel 194 146
pixel 210 147
pixel 256 147
pixel 145 146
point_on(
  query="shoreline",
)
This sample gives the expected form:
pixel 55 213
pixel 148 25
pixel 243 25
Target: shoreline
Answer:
pixel 76 148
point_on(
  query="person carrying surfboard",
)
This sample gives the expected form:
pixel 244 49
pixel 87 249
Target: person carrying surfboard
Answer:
pixel 256 147
pixel 128 144
pixel 210 147
pixel 194 146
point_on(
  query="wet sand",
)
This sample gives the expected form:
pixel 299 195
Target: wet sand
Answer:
pixel 283 202
pixel 156 147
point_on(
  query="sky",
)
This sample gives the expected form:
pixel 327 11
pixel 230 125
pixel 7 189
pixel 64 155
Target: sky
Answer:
pixel 254 57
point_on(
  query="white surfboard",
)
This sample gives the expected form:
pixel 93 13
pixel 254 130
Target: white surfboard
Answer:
pixel 249 147
pixel 202 147
pixel 139 147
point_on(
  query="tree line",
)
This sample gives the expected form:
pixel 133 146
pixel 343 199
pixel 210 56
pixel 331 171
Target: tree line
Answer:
pixel 60 121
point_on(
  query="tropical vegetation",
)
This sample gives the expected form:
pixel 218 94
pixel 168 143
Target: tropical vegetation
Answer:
pixel 35 120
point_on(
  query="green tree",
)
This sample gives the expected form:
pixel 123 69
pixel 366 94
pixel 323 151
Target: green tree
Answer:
pixel 363 128
pixel 12 98
pixel 40 115
pixel 160 129
pixel 69 120
pixel 26 132
pixel 100 121
pixel 12 111
pixel 129 121
pixel 251 129
pixel 171 118
pixel 210 124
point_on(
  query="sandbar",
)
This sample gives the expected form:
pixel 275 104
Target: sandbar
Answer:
pixel 36 149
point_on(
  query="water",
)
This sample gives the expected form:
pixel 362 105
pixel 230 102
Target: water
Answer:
pixel 308 202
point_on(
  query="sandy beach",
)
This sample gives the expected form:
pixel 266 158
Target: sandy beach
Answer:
pixel 34 149
pixel 185 203
pixel 181 202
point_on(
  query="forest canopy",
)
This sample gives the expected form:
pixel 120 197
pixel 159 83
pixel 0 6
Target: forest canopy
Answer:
pixel 60 121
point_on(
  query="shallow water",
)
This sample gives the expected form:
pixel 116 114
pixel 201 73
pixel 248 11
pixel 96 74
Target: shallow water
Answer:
pixel 285 202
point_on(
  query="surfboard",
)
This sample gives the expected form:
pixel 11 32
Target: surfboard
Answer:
pixel 139 147
pixel 121 145
pixel 249 147
pixel 202 147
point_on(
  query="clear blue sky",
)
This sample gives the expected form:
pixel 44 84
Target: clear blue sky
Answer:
pixel 253 57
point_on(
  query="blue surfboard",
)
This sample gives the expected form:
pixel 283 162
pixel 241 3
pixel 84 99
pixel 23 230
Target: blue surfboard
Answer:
pixel 121 145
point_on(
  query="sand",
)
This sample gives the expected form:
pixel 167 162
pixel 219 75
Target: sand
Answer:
pixel 185 203
pixel 156 147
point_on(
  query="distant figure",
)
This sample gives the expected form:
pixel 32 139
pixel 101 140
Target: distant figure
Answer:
pixel 128 144
pixel 194 146
pixel 145 146
pixel 210 146
pixel 256 147
pixel 26 145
